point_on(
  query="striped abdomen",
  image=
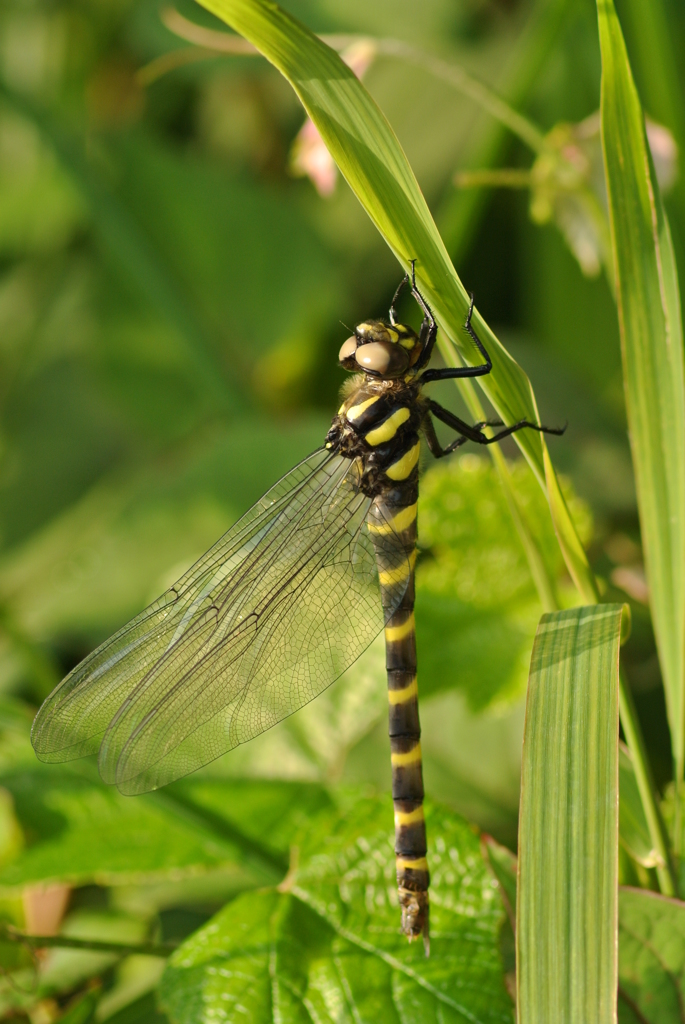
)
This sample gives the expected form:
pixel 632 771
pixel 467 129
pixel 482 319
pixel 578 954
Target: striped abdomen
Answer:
pixel 404 728
pixel 388 423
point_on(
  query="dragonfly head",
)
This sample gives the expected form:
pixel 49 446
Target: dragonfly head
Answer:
pixel 381 349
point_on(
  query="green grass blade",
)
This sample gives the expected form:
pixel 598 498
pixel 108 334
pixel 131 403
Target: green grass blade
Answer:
pixel 568 826
pixel 370 157
pixel 652 343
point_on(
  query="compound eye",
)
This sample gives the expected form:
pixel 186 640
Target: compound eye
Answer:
pixel 382 358
pixel 346 353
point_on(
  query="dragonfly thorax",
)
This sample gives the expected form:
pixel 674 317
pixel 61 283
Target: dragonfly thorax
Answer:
pixel 378 424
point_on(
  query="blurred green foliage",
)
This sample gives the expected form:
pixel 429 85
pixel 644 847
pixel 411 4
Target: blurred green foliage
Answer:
pixel 172 301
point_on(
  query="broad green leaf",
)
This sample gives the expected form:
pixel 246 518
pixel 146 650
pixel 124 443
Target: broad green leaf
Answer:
pixel 367 151
pixel 266 813
pixel 651 958
pixel 326 945
pixel 568 827
pixel 79 831
pixel 632 823
pixel 652 346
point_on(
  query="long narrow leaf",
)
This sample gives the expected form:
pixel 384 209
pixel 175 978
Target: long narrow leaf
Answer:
pixel 652 346
pixel 568 828
pixel 370 157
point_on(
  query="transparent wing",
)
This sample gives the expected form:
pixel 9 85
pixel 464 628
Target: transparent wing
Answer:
pixel 271 615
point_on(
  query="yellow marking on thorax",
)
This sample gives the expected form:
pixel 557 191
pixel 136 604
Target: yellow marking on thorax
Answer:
pixel 408 817
pixel 355 411
pixel 400 632
pixel 401 469
pixel 417 864
pixel 389 427
pixel 412 756
pixel 404 695
pixel 404 518
pixel 391 576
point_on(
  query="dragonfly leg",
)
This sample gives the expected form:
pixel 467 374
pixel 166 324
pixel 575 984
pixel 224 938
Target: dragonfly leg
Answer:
pixel 452 372
pixel 474 432
pixel 429 328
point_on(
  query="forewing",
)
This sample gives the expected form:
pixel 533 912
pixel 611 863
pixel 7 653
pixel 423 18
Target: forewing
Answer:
pixel 268 618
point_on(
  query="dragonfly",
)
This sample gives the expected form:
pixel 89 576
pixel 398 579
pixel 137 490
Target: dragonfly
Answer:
pixel 287 600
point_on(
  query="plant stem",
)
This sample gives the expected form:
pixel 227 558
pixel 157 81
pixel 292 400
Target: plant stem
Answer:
pixel 504 177
pixel 458 78
pixel 161 949
pixel 459 211
pixel 666 875
pixel 446 71
pixel 678 772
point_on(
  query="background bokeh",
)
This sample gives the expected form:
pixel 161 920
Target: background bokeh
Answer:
pixel 173 294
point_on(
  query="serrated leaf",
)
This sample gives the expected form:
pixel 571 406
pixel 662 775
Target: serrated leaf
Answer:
pixel 652 347
pixel 568 826
pixel 327 946
pixel 651 958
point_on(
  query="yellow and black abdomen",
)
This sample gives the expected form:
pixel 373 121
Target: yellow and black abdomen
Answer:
pixel 387 423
